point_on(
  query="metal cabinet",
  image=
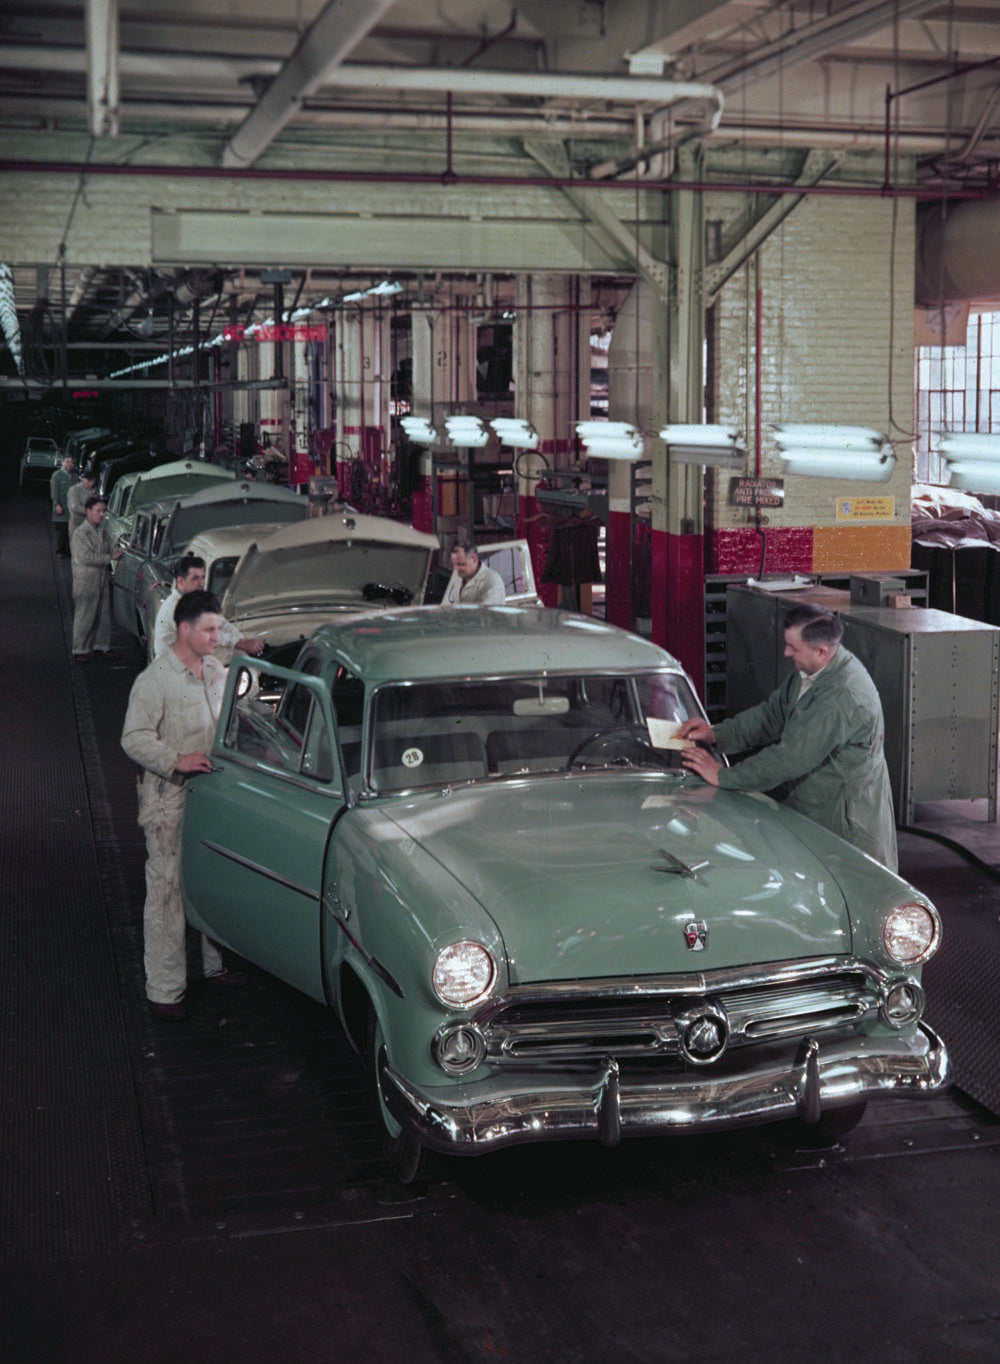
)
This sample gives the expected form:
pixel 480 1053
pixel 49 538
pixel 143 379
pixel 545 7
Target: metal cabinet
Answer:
pixel 937 676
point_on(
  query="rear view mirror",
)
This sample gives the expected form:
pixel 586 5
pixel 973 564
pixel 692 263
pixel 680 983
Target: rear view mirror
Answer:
pixel 541 705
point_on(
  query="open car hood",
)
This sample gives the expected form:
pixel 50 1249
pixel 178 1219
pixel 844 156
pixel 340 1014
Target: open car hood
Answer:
pixel 344 560
pixel 581 879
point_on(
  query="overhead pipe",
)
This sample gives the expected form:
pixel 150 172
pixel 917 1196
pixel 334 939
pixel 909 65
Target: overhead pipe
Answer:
pixel 335 177
pixel 547 85
pixel 567 123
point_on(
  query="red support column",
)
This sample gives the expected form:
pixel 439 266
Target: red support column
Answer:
pixel 618 570
pixel 423 504
pixel 678 599
pixel 534 526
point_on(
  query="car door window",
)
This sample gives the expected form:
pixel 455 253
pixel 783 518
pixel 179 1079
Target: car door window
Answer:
pixel 294 738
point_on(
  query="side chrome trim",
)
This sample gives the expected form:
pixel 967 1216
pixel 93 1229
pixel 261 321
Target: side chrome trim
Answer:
pixel 260 869
pixel 599 1103
pixel 381 971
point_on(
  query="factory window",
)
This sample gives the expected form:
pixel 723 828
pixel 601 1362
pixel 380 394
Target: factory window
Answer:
pixel 957 389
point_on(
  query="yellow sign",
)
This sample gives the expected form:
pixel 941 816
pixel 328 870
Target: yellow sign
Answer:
pixel 866 508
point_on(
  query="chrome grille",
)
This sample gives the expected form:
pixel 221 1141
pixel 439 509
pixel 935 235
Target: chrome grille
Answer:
pixel 756 1015
pixel 531 1027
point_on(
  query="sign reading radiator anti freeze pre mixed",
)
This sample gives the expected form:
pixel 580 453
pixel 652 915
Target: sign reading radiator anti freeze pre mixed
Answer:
pixel 756 492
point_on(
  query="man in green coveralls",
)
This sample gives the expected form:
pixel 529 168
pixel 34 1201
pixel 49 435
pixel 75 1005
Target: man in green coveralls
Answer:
pixel 820 736
pixel 59 485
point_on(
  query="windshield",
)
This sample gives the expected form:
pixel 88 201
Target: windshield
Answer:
pixel 439 733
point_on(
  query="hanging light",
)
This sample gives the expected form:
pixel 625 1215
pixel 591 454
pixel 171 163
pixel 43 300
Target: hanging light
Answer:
pixel 610 440
pixel 8 317
pixel 818 450
pixel 965 446
pixel 973 460
pixel 469 433
pixel 387 286
pixel 515 432
pixel 720 446
pixel 418 430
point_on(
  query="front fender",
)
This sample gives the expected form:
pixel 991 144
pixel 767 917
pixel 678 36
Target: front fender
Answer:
pixel 392 908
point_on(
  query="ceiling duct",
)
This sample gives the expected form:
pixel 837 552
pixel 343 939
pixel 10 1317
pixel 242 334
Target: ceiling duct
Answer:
pixel 334 33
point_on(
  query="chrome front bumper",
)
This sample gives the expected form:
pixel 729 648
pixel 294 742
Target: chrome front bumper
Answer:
pixel 561 1105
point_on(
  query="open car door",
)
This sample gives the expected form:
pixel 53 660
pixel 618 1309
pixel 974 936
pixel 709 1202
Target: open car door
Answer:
pixel 256 828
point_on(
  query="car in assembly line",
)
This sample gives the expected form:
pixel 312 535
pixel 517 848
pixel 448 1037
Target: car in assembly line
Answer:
pixel 470 833
pixel 290 582
pixel 133 491
pixel 162 531
pixel 41 458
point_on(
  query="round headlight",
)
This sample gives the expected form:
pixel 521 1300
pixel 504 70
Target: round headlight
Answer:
pixel 464 974
pixel 911 933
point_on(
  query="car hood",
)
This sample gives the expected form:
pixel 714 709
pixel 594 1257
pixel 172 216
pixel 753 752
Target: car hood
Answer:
pixel 329 564
pixel 580 878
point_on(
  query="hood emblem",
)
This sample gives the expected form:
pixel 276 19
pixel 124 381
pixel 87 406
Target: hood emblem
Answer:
pixel 696 935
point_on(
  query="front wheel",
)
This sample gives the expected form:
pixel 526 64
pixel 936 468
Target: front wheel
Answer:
pixel 408 1159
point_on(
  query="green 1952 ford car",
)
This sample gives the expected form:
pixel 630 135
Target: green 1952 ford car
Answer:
pixel 469 832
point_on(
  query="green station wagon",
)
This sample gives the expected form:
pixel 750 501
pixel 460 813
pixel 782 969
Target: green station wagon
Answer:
pixel 469 832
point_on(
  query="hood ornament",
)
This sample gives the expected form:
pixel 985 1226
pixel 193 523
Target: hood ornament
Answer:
pixel 676 867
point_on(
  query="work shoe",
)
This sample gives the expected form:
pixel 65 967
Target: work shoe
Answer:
pixel 230 978
pixel 81 658
pixel 175 1012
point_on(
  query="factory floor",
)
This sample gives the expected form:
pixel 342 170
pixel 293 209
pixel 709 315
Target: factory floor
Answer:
pixel 212 1190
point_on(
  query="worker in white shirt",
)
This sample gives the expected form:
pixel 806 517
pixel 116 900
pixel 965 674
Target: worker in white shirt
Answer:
pixel 189 576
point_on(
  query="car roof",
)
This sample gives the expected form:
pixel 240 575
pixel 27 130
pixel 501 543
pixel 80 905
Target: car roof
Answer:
pixel 225 493
pixel 420 643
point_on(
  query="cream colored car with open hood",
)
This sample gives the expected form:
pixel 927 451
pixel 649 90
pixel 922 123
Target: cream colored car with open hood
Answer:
pixel 292 581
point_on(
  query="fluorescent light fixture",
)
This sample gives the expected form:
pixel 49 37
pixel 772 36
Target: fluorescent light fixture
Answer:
pixel 515 432
pixel 8 317
pixel 968 446
pixel 610 440
pixel 828 436
pixel 979 476
pixel 719 446
pixel 817 450
pixel 387 286
pixel 419 430
pixel 470 433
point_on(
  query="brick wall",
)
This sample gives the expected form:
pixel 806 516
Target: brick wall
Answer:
pixel 835 281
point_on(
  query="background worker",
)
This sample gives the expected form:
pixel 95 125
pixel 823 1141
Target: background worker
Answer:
pixel 820 736
pixel 190 577
pixel 60 483
pixel 76 501
pixel 92 557
pixel 169 726
pixel 480 586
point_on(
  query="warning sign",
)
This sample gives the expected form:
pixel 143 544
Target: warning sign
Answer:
pixel 866 508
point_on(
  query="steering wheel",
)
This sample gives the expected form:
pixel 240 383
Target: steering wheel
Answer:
pixel 636 731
